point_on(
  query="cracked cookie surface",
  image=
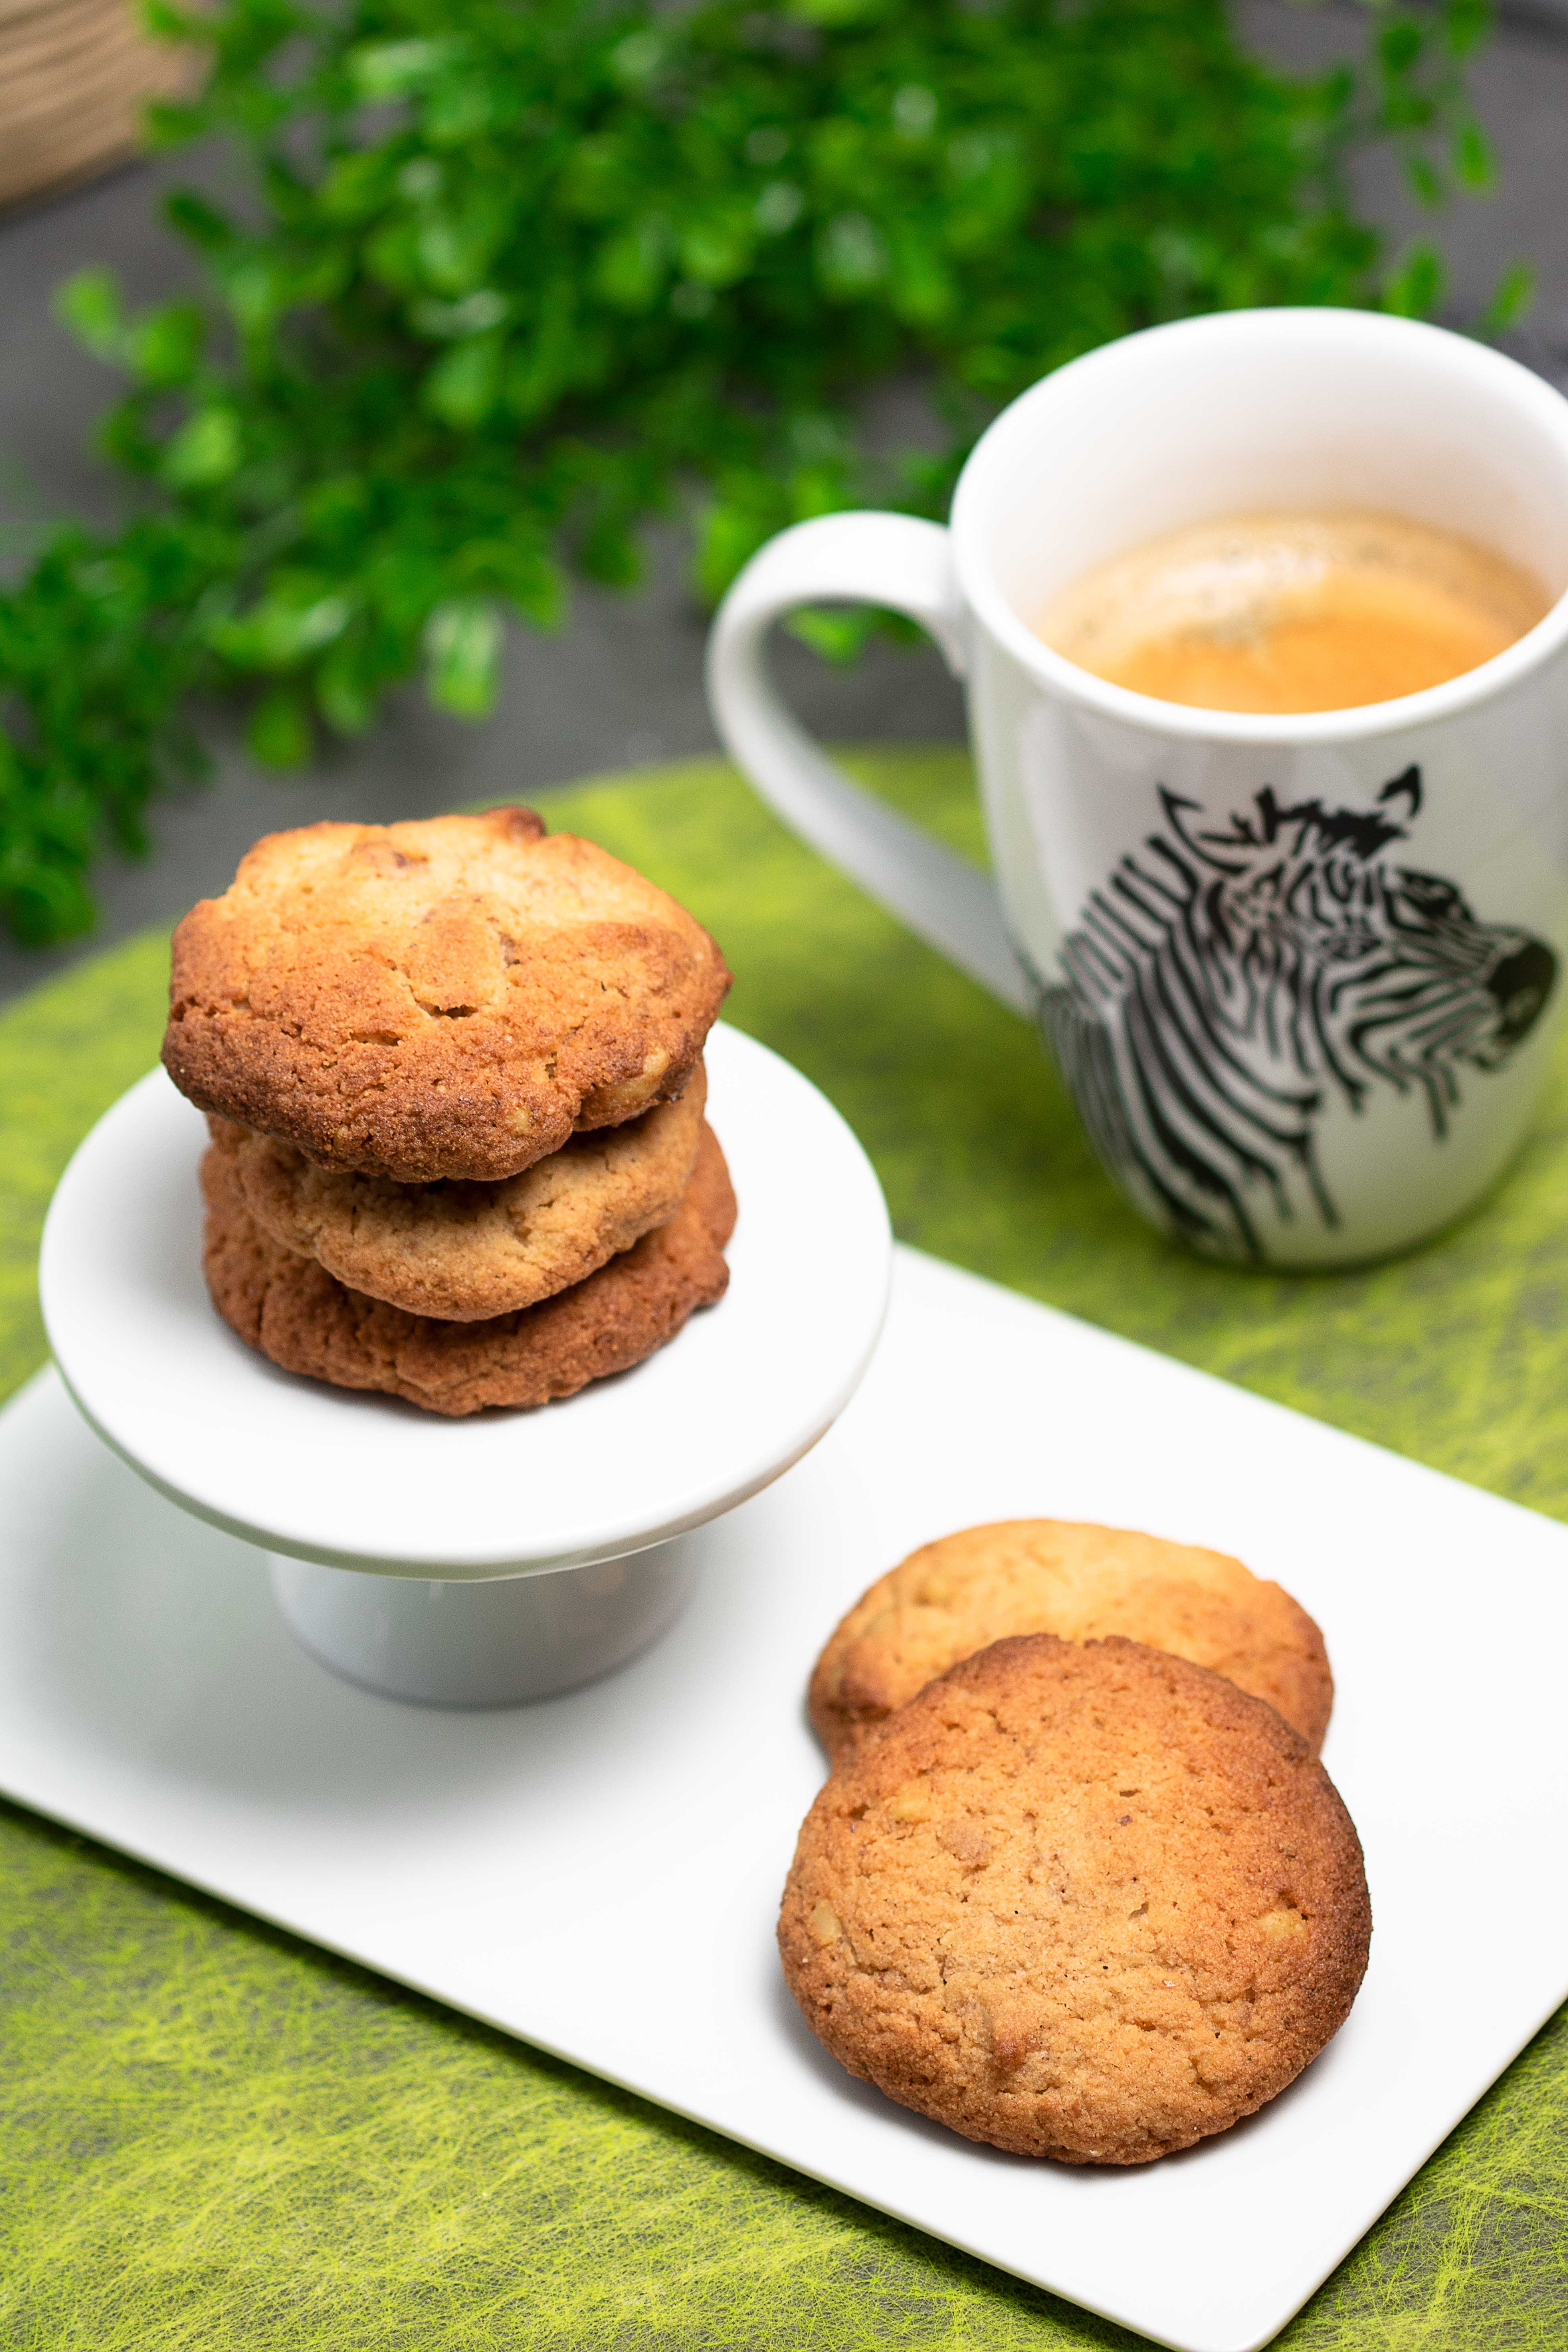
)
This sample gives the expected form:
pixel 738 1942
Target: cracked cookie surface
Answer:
pixel 1059 1575
pixel 291 1310
pixel 1092 1903
pixel 466 1252
pixel 448 999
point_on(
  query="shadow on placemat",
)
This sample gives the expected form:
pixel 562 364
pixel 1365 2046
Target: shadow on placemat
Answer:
pixel 212 2135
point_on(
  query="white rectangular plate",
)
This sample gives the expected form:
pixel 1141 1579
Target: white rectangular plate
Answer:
pixel 600 1874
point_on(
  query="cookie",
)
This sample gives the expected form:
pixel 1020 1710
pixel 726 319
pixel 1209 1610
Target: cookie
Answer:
pixel 1053 1576
pixel 1088 1902
pixel 467 1252
pixel 447 1000
pixel 293 1311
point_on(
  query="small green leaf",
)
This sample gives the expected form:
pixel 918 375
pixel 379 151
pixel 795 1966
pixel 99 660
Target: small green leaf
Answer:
pixel 1465 23
pixel 1425 186
pixel 88 304
pixel 778 207
pixel 256 292
pixel 609 554
pixel 914 110
pixel 464 386
pixel 199 223
pixel 422 180
pixel 445 322
pixel 345 692
pixel 280 734
pixel 637 60
pixel 1473 159
pixel 1399 43
pixel 463 642
pixel 729 535
pixel 337 506
pixel 969 157
pixel 459 108
pixel 168 124
pixel 596 178
pixel 380 70
pixel 632 269
pixel 924 290
pixel 837 636
pixel 44 903
pixel 1416 288
pixel 163 22
pixel 392 255
pixel 206 449
pixel 280 630
pixel 815 491
pixel 716 248
pixel 456 247
pixel 165 345
pixel 357 185
pixel 1511 301
pixel 851 257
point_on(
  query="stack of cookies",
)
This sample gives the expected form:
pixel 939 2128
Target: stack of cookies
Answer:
pixel 1078 1885
pixel 453 1073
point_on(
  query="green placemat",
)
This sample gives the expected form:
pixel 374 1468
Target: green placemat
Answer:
pixel 212 2136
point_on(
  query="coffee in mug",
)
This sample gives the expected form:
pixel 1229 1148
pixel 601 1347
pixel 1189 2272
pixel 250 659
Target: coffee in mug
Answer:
pixel 1292 917
pixel 1281 613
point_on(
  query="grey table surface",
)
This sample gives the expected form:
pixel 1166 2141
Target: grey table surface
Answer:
pixel 621 685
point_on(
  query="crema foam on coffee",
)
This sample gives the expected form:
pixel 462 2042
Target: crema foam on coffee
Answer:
pixel 1317 611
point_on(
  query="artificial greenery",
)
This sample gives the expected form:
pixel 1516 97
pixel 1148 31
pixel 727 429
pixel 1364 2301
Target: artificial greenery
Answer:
pixel 516 275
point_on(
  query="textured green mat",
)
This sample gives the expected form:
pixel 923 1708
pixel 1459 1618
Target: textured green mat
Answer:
pixel 213 2137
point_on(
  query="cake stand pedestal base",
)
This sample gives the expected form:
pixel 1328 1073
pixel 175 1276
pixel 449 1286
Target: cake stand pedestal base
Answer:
pixel 455 1641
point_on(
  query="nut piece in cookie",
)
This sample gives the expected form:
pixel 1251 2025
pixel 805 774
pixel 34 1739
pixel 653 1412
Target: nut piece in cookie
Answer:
pixel 444 999
pixel 1085 1902
pixel 291 1309
pixel 466 1252
pixel 1055 1576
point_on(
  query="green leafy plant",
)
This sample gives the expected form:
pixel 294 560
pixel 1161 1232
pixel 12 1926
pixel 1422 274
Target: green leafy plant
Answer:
pixel 517 276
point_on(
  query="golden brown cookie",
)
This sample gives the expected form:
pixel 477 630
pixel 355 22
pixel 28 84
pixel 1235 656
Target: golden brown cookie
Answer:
pixel 291 1308
pixel 1085 1902
pixel 446 1000
pixel 466 1252
pixel 1055 1576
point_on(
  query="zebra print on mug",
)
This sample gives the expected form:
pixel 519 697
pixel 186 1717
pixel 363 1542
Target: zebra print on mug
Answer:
pixel 1225 986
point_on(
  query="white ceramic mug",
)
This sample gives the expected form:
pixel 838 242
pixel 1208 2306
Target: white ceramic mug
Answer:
pixel 1301 973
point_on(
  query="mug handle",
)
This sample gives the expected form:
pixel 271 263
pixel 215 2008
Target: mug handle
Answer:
pixel 876 559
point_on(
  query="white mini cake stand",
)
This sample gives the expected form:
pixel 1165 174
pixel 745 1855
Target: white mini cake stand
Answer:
pixel 504 1557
